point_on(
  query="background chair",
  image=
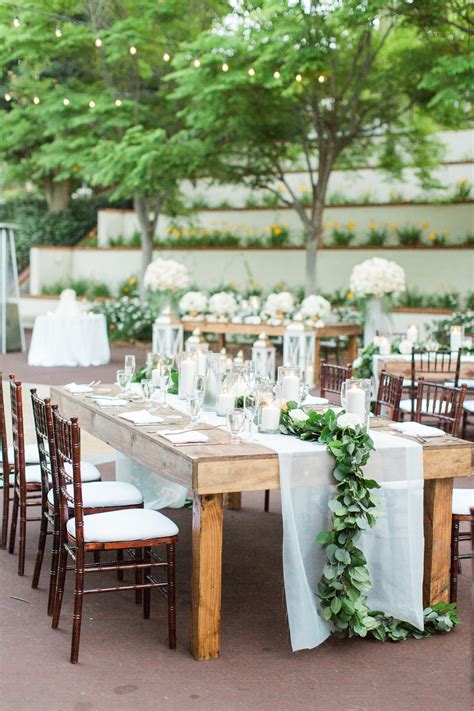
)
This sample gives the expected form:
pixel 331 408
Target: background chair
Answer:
pixel 463 501
pixel 389 394
pixel 434 366
pixel 440 405
pixel 331 378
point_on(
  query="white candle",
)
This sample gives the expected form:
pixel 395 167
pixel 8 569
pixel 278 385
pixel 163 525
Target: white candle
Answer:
pixel 455 340
pixel 201 363
pixel 155 377
pixel 290 388
pixel 355 402
pixel 225 403
pixel 412 334
pixel 384 347
pixel 270 419
pixel 187 373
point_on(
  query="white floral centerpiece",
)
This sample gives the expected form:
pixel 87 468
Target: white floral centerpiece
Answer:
pixel 166 275
pixel 373 280
pixel 222 306
pixel 315 310
pixel 193 305
pixel 279 306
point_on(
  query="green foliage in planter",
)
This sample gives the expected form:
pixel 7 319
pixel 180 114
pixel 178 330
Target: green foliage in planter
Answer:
pixel 343 236
pixel 129 287
pixel 83 288
pixel 438 239
pixel 440 330
pixel 409 235
pixel 462 190
pixel 377 236
pixel 279 236
pixel 270 199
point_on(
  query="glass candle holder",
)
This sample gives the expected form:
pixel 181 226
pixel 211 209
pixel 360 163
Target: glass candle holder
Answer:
pixel 187 371
pixel 456 338
pixel 269 416
pixel 289 380
pixel 355 398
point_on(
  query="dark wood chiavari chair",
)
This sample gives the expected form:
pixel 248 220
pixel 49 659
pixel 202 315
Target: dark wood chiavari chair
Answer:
pixel 98 496
pixel 331 378
pixel 7 470
pixel 139 529
pixel 440 404
pixel 389 394
pixel 433 365
pixel 27 490
pixel 462 512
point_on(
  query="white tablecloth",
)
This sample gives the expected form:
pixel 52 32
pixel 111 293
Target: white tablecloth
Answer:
pixel 62 341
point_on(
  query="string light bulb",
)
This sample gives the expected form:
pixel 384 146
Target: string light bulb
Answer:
pixel 251 72
pixel 166 57
pixel 16 21
pixel 98 42
pixel 133 49
pixel 197 63
pixel 118 102
pixel 225 67
pixel 321 78
pixel 58 32
pixel 66 102
pixel 92 104
pixel 36 99
pixel 276 75
pixel 298 77
pixel 8 97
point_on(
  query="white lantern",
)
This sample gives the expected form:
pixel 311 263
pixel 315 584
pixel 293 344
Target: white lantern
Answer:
pixel 299 346
pixel 196 341
pixel 167 334
pixel 263 355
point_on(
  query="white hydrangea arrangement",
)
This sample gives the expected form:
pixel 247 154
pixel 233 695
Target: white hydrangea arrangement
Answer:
pixel 166 275
pixel 377 277
pixel 315 308
pixel 193 303
pixel 223 304
pixel 279 304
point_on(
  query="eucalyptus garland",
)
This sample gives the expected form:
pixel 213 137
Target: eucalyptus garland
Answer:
pixel 345 581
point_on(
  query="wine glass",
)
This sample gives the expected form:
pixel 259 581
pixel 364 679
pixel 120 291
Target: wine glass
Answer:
pixel 165 378
pixel 304 392
pixel 123 381
pixel 194 404
pixel 200 385
pixel 250 408
pixel 130 365
pixel 235 423
pixel 147 390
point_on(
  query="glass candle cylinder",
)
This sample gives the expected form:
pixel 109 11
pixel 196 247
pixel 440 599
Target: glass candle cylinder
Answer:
pixel 269 416
pixel 289 380
pixel 187 371
pixel 355 398
pixel 456 338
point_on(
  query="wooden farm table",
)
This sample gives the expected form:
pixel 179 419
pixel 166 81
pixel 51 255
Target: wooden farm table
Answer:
pixel 216 468
pixel 352 331
pixel 401 365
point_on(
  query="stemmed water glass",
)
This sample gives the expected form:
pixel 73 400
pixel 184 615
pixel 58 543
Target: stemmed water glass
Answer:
pixel 194 404
pixel 147 390
pixel 123 381
pixel 250 408
pixel 304 392
pixel 130 367
pixel 165 379
pixel 235 423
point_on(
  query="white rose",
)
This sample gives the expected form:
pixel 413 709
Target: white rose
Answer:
pixel 405 347
pixel 166 275
pixel 223 303
pixel 298 415
pixel 315 306
pixel 357 362
pixel 282 302
pixel 193 301
pixel 349 420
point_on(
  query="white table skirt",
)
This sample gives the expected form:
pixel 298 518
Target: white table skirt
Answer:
pixel 60 341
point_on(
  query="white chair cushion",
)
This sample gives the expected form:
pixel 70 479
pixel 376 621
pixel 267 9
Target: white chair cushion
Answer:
pixel 89 472
pixel 33 474
pixel 462 381
pixel 12 480
pixel 102 494
pixel 405 406
pixel 127 525
pixel 31 454
pixel 469 405
pixel 463 501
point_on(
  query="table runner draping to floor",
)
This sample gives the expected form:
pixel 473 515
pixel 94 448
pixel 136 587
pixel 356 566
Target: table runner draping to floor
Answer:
pixel 65 341
pixel 393 548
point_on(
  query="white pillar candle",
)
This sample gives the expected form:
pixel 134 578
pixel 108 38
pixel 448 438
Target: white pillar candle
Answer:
pixel 355 402
pixel 384 347
pixel 290 388
pixel 412 334
pixel 455 339
pixel 225 403
pixel 155 376
pixel 187 374
pixel 270 419
pixel 201 363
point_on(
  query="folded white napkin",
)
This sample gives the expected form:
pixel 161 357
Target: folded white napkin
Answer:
pixel 110 402
pixel 141 417
pixel 185 437
pixel 76 388
pixel 417 429
pixel 314 400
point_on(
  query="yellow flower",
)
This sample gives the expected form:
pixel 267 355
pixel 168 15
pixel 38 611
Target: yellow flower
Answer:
pixel 432 236
pixel 284 224
pixel 350 295
pixel 351 225
pixel 281 188
pixel 303 188
pixel 394 226
pixel 373 225
pixel 329 225
pixel 132 280
pixel 462 181
pixel 267 230
pixel 232 285
pixel 276 230
pixel 254 283
pixel 424 226
pixel 446 233
pixel 249 231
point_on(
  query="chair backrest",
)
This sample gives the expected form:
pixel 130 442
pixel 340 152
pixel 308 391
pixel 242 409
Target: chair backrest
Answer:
pixel 441 403
pixel 3 436
pixel 68 456
pixel 389 394
pixel 18 433
pixel 331 378
pixel 44 427
pixel 425 363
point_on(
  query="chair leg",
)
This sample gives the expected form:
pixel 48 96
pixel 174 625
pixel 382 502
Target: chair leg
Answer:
pixel 266 505
pixel 40 552
pixel 5 513
pixel 464 426
pixel 120 560
pixel 59 592
pixel 453 588
pixel 78 600
pixel 53 573
pixel 146 591
pixel 11 547
pixel 22 539
pixel 171 597
pixel 96 556
pixel 138 576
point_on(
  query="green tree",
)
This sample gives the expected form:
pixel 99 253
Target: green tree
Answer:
pixel 323 84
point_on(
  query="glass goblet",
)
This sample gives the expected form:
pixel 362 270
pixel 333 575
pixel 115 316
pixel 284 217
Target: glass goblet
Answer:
pixel 235 423
pixel 130 365
pixel 250 408
pixel 147 390
pixel 194 404
pixel 123 381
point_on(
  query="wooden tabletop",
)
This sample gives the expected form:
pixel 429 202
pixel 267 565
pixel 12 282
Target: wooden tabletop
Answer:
pixel 340 329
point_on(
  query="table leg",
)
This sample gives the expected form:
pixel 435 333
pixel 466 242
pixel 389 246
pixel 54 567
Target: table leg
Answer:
pixel 317 359
pixel 438 495
pixel 220 341
pixel 206 576
pixel 233 500
pixel 352 347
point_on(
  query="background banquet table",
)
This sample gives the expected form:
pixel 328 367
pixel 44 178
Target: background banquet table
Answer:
pixel 65 341
pixel 218 467
pixel 399 364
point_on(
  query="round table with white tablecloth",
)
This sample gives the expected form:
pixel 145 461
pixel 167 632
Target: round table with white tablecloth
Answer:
pixel 69 341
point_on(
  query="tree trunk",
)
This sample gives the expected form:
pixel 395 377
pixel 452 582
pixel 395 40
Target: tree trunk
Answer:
pixel 148 219
pixel 58 194
pixel 312 243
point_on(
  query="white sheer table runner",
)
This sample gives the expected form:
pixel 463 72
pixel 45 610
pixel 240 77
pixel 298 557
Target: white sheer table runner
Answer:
pixel 393 548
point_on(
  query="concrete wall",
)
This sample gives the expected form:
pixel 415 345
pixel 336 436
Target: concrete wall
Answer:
pixel 428 270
